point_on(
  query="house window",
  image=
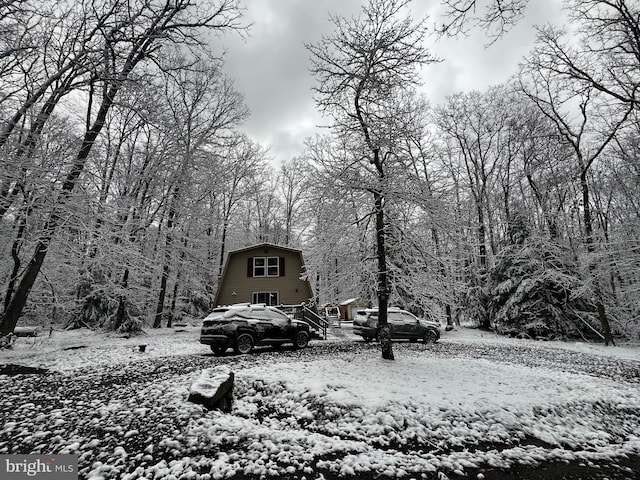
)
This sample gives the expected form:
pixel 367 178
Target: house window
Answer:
pixel 268 298
pixel 259 267
pixel 267 267
pixel 273 269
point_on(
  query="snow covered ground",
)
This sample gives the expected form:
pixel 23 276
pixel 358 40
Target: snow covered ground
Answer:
pixel 475 405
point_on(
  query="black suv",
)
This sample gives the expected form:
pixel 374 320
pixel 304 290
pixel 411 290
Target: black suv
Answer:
pixel 242 326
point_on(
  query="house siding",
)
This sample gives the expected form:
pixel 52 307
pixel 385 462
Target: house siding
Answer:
pixel 291 290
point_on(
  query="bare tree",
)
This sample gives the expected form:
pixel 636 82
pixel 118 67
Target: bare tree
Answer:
pixel 263 221
pixel 588 122
pixel 495 16
pixel 481 128
pixel 424 184
pixel 203 103
pixel 293 182
pixel 243 162
pixel 359 70
pixel 601 49
pixel 341 238
pixel 126 35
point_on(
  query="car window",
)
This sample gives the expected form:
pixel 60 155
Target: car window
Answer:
pixel 274 315
pixel 257 312
pixel 409 318
pixel 396 317
pixel 232 312
pixel 217 313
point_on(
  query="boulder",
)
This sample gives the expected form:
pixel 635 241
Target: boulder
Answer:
pixel 213 389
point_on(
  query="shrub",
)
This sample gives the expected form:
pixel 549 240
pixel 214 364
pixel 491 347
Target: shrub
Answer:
pixel 536 290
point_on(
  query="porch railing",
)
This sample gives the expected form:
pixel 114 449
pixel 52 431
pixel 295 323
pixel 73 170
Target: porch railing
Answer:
pixel 308 315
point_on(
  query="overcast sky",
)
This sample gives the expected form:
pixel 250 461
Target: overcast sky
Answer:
pixel 271 66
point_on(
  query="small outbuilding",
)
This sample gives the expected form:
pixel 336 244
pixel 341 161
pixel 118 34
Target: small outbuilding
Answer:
pixel 264 273
pixel 349 307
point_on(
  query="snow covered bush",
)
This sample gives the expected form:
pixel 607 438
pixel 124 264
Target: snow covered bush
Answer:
pixel 190 307
pixel 106 306
pixel 536 290
pixel 474 307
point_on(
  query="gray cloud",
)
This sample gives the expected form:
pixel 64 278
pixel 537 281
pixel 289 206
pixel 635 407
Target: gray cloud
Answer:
pixel 270 67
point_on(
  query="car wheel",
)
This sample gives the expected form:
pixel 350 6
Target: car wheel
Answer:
pixel 430 336
pixel 367 339
pixel 301 340
pixel 244 343
pixel 413 340
pixel 218 350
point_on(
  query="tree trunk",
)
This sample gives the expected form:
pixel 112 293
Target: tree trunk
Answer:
pixel 482 239
pixel 15 255
pixel 223 244
pixel 597 291
pixel 157 322
pixel 485 321
pixel 384 333
pixel 176 285
pixel 121 312
pixel 443 272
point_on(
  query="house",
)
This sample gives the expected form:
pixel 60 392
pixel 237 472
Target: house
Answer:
pixel 264 273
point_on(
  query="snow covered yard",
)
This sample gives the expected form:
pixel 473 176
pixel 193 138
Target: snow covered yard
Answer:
pixel 472 406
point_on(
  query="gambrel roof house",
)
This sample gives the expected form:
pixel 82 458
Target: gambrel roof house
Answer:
pixel 264 273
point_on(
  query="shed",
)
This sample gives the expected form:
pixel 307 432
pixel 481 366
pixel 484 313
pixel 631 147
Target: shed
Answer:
pixel 349 307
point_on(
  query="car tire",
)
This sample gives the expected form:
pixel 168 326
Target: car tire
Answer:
pixel 413 340
pixel 367 339
pixel 244 343
pixel 430 337
pixel 301 339
pixel 218 351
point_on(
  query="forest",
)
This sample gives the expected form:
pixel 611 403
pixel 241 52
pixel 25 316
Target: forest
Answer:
pixel 126 177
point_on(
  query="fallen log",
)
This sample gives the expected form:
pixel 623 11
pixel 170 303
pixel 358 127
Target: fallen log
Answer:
pixel 26 331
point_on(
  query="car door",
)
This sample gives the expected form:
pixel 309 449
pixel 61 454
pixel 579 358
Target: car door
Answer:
pixel 279 324
pixel 396 325
pixel 412 327
pixel 261 323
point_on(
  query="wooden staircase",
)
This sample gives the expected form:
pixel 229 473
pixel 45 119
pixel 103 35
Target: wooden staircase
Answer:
pixel 303 312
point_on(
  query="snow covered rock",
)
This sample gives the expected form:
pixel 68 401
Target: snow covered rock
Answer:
pixel 213 389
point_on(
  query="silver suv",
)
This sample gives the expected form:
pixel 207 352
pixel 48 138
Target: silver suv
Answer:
pixel 403 326
pixel 244 325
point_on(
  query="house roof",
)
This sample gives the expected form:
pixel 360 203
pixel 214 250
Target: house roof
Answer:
pixel 350 300
pixel 265 245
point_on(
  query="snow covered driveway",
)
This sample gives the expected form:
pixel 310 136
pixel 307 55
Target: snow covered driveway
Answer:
pixel 457 409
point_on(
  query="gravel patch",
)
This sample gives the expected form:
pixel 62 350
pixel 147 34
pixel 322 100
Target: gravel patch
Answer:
pixel 131 420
